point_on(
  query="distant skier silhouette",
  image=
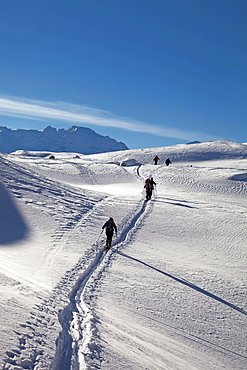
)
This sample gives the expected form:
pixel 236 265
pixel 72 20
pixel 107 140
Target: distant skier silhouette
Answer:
pixel 168 162
pixel 156 159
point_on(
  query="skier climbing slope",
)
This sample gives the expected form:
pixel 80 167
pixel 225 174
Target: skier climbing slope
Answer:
pixel 109 227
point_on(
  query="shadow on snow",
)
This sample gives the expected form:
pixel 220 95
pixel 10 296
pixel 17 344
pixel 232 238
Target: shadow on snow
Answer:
pixel 188 284
pixel 12 225
pixel 174 204
pixel 240 177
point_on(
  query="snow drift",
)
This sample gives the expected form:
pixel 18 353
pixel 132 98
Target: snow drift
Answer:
pixel 170 294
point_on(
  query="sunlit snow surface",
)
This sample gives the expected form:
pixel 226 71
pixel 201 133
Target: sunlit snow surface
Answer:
pixel 170 294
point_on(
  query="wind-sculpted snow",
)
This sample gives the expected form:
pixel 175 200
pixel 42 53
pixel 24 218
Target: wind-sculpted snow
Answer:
pixel 170 294
pixel 216 150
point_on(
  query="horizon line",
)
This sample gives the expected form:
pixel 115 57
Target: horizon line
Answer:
pixel 68 112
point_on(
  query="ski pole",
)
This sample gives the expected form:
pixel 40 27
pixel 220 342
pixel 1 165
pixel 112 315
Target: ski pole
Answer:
pixel 99 235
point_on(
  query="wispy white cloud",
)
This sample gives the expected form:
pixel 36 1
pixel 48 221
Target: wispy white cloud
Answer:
pixel 72 113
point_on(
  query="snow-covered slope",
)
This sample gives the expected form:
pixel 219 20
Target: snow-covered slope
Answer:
pixel 223 149
pixel 75 139
pixel 170 294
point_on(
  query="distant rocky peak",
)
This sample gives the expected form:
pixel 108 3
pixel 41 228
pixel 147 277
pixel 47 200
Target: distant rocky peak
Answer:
pixel 76 139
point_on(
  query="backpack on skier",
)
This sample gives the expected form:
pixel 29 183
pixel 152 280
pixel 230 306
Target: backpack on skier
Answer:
pixel 110 225
pixel 148 185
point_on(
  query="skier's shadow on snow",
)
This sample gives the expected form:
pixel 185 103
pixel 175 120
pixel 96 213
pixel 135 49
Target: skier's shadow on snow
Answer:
pixel 12 224
pixel 173 203
pixel 187 283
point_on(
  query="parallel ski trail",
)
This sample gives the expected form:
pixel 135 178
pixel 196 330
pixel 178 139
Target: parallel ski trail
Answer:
pixel 72 343
pixel 67 336
pixel 75 318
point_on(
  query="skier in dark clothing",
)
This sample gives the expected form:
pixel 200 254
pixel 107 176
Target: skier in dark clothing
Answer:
pixel 149 186
pixel 109 227
pixel 152 182
pixel 168 161
pixel 156 159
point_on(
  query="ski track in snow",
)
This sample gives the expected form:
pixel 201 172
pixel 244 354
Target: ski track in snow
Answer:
pixel 72 344
pixel 78 333
pixel 75 316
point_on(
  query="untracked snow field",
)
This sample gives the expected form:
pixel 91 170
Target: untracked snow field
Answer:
pixel 170 293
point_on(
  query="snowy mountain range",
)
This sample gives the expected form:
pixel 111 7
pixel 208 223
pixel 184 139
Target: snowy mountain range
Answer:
pixel 169 294
pixel 75 139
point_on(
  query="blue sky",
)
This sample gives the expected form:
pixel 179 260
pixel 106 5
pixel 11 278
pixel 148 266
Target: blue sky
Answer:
pixel 149 73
